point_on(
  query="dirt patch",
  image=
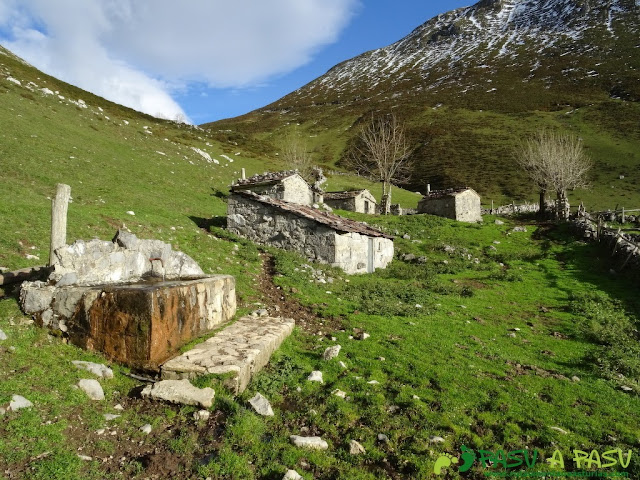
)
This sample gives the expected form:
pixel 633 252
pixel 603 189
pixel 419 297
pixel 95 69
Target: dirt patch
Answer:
pixel 283 304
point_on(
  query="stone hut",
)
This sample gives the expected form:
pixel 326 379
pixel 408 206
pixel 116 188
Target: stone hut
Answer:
pixel 287 185
pixel 361 201
pixel 462 204
pixel 320 236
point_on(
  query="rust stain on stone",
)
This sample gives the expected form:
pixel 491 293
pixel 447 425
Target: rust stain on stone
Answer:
pixel 144 325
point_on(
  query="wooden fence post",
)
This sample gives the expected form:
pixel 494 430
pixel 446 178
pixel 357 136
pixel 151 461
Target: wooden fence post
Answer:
pixel 59 206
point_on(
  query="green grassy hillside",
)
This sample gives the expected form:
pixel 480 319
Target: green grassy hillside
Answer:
pixel 467 109
pixel 476 345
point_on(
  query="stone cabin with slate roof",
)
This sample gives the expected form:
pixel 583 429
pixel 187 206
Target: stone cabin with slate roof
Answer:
pixel 320 236
pixel 462 204
pixel 361 201
pixel 288 186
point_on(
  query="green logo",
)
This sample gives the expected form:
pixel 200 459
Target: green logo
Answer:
pixel 528 459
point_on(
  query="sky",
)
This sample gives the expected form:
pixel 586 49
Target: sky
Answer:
pixel 202 60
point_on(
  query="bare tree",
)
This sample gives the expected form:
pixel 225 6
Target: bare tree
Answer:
pixel 383 153
pixel 295 154
pixel 555 162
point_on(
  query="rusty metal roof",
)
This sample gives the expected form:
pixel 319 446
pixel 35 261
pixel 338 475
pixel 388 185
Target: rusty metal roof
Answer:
pixel 344 195
pixel 449 192
pixel 264 178
pixel 331 220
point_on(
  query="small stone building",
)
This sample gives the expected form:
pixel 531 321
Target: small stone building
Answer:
pixel 320 236
pixel 361 201
pixel 462 204
pixel 287 185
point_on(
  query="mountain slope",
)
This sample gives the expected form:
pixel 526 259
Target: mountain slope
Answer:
pixel 472 82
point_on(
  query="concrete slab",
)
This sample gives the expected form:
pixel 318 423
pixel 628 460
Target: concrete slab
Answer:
pixel 242 349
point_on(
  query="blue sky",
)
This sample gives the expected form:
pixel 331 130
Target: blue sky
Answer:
pixel 202 60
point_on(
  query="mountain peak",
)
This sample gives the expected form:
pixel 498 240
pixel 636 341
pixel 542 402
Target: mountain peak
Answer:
pixel 464 48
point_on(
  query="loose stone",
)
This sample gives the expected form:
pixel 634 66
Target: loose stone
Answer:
pixel 314 443
pixel 331 352
pixel 315 376
pixel 92 388
pixel 261 405
pixel 355 448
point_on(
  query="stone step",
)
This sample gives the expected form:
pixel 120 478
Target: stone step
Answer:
pixel 242 348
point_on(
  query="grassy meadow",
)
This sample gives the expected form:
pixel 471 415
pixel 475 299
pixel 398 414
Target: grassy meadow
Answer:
pixel 477 344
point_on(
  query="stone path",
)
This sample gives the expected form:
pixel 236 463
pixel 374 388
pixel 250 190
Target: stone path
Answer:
pixel 243 348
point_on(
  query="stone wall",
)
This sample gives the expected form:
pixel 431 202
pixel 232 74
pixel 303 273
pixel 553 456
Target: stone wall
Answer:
pixel 293 189
pixel 462 206
pixel 623 247
pixel 263 224
pixel 125 259
pixel 512 209
pixel 149 290
pixel 441 207
pixel 468 207
pixel 267 225
pixel 357 253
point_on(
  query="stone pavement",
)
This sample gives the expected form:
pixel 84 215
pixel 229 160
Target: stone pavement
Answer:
pixel 242 348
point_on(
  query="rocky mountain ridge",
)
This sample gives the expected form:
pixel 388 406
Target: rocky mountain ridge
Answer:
pixel 531 41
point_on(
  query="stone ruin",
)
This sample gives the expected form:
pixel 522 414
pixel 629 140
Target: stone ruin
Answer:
pixel 136 301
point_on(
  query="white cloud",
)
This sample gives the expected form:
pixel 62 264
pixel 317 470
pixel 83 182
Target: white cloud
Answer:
pixel 136 52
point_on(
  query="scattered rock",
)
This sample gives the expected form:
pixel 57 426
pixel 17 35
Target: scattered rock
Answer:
pixel 355 448
pixel 92 388
pixel 339 393
pixel 496 242
pixel 363 336
pixel 110 416
pixel 292 475
pixel 314 443
pixel 98 369
pixel 85 458
pixel 626 389
pixel 416 397
pixel 146 429
pixel 558 429
pixel 382 438
pixel 131 212
pixel 201 415
pixel 519 229
pixel 261 405
pixel 342 364
pixel 3 336
pixel 331 352
pixel 18 402
pixel 118 407
pixel 315 376
pixel 436 439
pixel 511 334
pixel 373 382
pixel 499 222
pixel 575 378
pixel 180 391
pixel 408 257
pixel 406 236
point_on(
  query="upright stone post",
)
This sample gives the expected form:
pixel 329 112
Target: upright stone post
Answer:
pixel 59 206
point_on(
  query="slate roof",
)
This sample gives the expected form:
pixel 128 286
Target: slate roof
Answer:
pixel 449 192
pixel 264 179
pixel 331 220
pixel 345 195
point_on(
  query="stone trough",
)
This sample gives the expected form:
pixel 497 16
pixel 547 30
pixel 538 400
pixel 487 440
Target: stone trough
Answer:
pixel 112 298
